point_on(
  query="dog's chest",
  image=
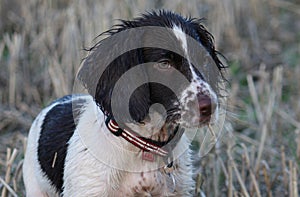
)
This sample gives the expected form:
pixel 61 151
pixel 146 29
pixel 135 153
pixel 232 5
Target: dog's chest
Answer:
pixel 153 183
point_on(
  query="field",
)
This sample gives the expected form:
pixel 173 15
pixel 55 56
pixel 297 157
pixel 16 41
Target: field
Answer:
pixel 41 48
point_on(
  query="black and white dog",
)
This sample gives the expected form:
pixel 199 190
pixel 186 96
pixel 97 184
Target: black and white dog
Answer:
pixel 126 138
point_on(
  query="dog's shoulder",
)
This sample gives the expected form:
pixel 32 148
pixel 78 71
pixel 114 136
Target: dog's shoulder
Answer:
pixel 58 127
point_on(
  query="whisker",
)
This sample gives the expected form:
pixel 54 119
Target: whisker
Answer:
pixel 212 132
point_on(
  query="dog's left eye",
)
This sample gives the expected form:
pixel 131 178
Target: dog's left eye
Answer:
pixel 163 65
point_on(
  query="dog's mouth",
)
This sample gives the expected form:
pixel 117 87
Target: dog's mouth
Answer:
pixel 192 119
pixel 165 129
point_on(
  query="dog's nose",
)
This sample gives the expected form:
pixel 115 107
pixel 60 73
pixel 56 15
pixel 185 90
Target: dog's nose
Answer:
pixel 206 107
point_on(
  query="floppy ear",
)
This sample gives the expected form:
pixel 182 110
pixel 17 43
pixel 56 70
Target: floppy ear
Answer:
pixel 140 98
pixel 102 69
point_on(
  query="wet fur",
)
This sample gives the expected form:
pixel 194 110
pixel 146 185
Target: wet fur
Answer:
pixel 55 133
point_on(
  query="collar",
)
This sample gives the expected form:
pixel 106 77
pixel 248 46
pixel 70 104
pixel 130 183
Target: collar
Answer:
pixel 142 143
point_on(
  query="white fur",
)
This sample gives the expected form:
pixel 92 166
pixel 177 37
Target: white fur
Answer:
pixel 190 117
pixel 181 36
pixel 87 172
pixel 101 164
pixel 36 184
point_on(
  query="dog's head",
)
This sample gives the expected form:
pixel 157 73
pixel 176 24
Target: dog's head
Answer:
pixel 155 72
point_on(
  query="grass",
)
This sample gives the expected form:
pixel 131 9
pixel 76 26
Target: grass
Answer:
pixel 41 46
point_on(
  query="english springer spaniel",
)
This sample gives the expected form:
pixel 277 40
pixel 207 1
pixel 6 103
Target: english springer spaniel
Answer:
pixel 151 81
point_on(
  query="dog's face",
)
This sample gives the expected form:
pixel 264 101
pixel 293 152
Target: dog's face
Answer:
pixel 170 87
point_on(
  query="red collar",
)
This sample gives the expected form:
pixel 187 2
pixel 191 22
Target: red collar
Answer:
pixel 134 139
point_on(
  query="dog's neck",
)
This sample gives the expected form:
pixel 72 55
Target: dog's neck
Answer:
pixel 144 136
pixel 140 142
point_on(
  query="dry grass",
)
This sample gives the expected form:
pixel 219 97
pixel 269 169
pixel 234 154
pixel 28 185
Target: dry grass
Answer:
pixel 41 46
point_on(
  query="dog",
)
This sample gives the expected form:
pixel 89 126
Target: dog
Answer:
pixel 128 136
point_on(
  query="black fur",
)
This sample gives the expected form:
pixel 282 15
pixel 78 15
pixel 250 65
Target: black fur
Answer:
pixel 57 129
pixel 141 97
pixel 162 18
pixel 101 87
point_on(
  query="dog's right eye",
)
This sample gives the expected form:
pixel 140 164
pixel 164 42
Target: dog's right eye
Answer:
pixel 163 65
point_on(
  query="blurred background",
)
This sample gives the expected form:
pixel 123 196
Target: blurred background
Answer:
pixel 41 48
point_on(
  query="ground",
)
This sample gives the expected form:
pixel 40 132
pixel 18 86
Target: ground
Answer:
pixel 41 47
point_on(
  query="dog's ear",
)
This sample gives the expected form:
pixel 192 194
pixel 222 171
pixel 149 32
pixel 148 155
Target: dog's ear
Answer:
pixel 125 66
pixel 109 61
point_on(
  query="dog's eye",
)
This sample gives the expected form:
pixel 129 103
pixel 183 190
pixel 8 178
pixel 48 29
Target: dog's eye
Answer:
pixel 163 65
